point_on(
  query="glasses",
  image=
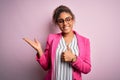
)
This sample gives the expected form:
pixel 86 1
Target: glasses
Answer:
pixel 67 20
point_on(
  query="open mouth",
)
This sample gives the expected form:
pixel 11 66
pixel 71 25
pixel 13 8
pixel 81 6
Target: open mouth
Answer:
pixel 65 28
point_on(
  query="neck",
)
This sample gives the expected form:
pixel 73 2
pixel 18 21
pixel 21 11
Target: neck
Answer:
pixel 70 34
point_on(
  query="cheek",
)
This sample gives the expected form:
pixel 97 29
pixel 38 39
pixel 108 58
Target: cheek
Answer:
pixel 71 24
pixel 60 27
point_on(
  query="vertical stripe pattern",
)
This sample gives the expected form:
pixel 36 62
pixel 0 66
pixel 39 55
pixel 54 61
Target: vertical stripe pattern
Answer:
pixel 63 70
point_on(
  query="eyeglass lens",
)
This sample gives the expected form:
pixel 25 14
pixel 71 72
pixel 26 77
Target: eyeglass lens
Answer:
pixel 67 19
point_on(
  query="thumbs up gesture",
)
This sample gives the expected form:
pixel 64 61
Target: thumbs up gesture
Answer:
pixel 68 56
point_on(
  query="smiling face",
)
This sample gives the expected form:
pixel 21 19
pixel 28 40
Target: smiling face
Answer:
pixel 65 22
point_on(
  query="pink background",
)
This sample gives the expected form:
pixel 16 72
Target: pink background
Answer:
pixel 99 20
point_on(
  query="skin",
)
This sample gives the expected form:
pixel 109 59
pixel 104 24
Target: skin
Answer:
pixel 67 34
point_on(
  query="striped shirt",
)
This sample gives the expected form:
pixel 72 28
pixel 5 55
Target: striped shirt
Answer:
pixel 63 70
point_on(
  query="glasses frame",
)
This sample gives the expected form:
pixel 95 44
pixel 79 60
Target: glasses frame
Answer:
pixel 67 20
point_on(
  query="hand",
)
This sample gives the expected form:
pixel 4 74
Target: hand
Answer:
pixel 68 56
pixel 35 44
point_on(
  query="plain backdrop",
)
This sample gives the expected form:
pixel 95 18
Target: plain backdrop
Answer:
pixel 98 20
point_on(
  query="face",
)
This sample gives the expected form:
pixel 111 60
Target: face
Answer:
pixel 65 22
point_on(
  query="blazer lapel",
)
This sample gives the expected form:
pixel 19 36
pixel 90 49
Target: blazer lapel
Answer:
pixel 80 44
pixel 54 47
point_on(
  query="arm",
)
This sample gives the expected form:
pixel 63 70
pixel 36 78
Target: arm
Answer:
pixel 82 63
pixel 44 59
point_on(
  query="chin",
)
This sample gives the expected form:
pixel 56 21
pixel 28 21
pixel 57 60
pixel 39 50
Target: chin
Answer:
pixel 66 32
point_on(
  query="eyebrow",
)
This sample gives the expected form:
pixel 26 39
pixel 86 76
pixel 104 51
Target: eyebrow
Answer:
pixel 65 18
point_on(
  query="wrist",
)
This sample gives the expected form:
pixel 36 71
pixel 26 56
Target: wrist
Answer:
pixel 74 58
pixel 39 52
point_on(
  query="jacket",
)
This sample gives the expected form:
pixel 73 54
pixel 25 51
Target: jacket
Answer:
pixel 81 65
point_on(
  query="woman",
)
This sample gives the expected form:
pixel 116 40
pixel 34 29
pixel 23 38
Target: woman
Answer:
pixel 67 54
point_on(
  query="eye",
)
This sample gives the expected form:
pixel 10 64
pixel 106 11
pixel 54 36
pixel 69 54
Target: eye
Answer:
pixel 68 19
pixel 60 20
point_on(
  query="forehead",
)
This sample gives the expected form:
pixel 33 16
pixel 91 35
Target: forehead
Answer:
pixel 63 15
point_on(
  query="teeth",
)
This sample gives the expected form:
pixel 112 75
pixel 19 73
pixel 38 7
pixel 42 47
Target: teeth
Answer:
pixel 65 27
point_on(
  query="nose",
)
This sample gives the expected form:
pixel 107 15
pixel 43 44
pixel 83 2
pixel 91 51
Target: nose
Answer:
pixel 64 23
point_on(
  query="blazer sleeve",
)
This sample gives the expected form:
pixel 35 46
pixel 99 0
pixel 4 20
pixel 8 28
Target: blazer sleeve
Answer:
pixel 44 60
pixel 83 64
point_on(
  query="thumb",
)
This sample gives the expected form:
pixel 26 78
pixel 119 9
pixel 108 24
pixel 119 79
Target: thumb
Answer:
pixel 68 48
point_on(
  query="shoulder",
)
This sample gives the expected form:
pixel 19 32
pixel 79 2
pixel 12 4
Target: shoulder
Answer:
pixel 82 38
pixel 51 37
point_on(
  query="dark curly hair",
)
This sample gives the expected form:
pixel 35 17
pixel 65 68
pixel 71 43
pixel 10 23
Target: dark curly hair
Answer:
pixel 59 10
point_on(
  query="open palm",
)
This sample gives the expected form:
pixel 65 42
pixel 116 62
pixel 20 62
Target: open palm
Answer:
pixel 35 44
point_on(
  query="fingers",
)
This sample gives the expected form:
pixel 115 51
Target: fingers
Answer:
pixel 36 41
pixel 63 56
pixel 35 44
pixel 31 43
pixel 28 41
pixel 66 55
